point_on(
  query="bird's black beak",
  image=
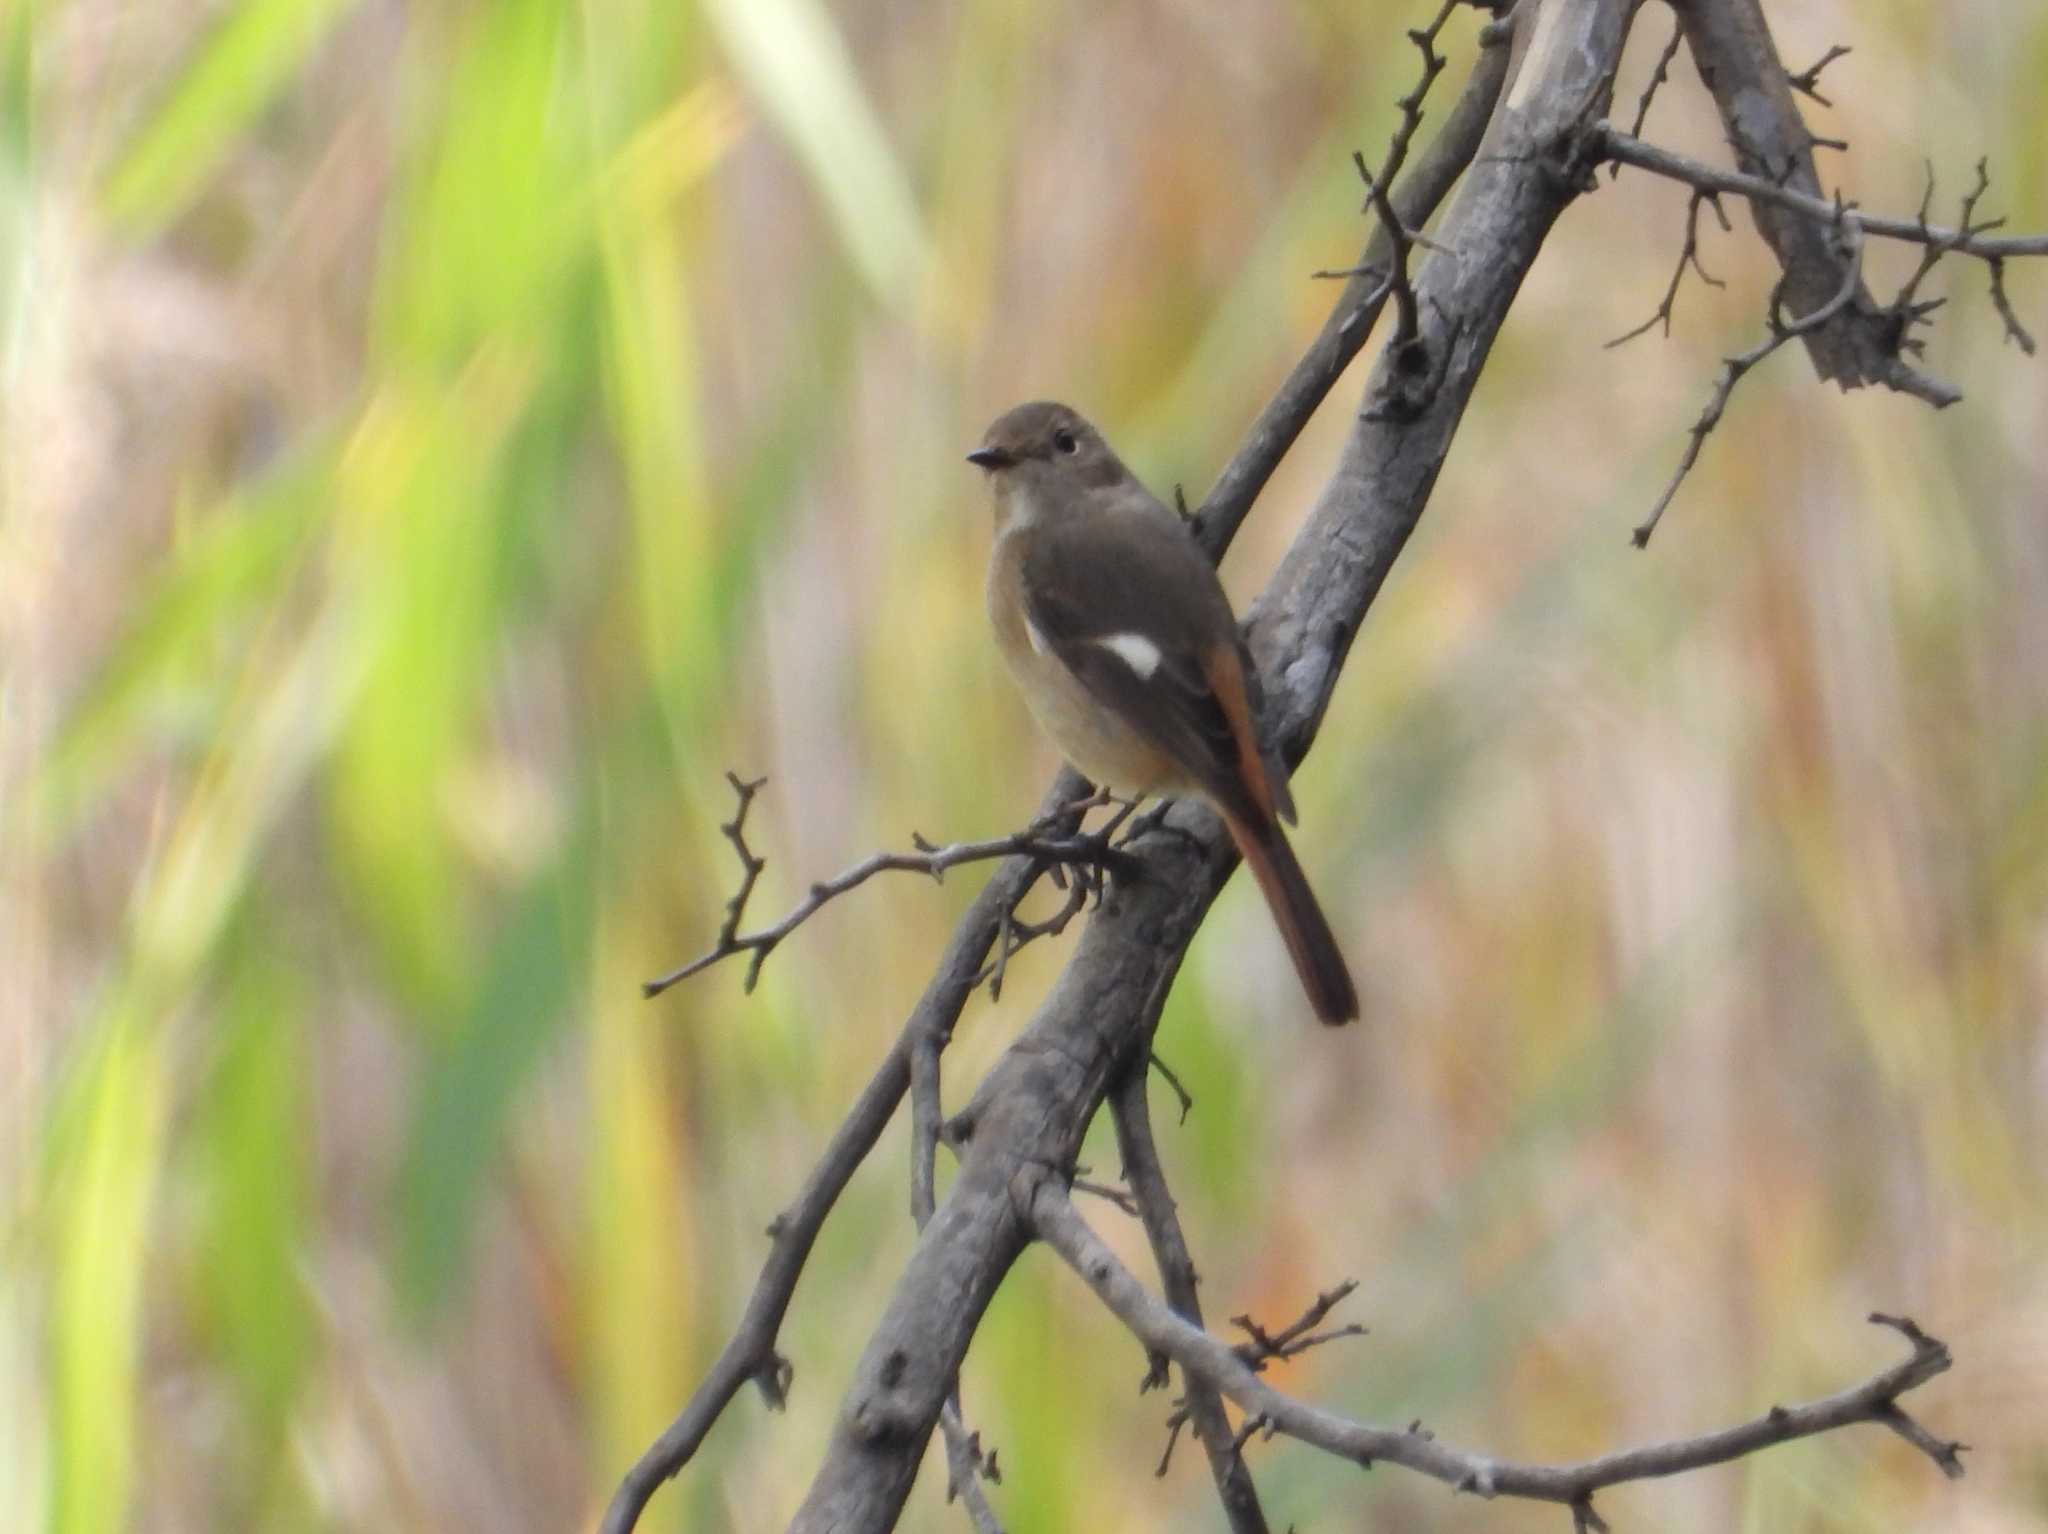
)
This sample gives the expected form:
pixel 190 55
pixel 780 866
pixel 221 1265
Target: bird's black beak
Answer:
pixel 990 458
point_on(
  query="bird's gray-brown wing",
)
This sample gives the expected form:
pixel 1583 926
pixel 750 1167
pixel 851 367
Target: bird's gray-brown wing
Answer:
pixel 1133 608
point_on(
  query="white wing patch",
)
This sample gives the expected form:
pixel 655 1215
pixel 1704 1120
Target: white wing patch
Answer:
pixel 1135 651
pixel 1037 639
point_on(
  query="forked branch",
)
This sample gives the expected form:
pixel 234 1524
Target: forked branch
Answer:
pixel 1876 1400
pixel 1852 227
pixel 1047 842
pixel 1733 370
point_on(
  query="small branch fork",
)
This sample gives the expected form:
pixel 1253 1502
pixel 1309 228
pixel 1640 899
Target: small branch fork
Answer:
pixel 1045 841
pixel 1658 76
pixel 1971 237
pixel 1732 371
pixel 1807 81
pixel 1201 1403
pixel 1400 238
pixel 1689 255
pixel 1876 1400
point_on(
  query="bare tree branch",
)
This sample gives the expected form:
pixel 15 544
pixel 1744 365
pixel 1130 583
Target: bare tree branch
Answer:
pixel 1399 239
pixel 990 919
pixel 1020 1132
pixel 1615 145
pixel 1048 841
pixel 1132 1112
pixel 1657 78
pixel 1807 81
pixel 1738 61
pixel 1732 371
pixel 1300 1334
pixel 751 1352
pixel 1357 308
pixel 1060 1226
pixel 1034 1105
pixel 1688 255
pixel 1849 226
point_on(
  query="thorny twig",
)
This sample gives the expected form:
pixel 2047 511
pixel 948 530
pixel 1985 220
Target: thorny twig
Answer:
pixel 751 1353
pixel 1352 318
pixel 1611 143
pixel 1180 1091
pixel 1131 1110
pixel 1733 369
pixel 1876 1400
pixel 1908 310
pixel 1807 81
pixel 1657 78
pixel 1262 1348
pixel 967 1467
pixel 1688 256
pixel 1400 238
pixel 1971 237
pixel 1299 1335
pixel 1043 841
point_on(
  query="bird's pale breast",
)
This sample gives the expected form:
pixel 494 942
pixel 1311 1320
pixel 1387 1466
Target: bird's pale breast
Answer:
pixel 1098 743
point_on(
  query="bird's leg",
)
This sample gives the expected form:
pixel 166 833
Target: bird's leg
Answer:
pixel 1092 855
pixel 1110 860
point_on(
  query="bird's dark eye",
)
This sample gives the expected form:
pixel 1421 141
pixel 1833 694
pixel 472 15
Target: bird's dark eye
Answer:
pixel 1066 441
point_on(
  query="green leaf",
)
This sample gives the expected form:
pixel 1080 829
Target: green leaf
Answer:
pixel 251 53
pixel 103 1181
pixel 537 966
pixel 256 1178
pixel 791 54
pixel 167 669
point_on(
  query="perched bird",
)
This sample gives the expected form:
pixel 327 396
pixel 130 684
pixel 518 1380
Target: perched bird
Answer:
pixel 1116 628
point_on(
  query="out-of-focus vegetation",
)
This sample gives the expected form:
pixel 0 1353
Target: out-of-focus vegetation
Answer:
pixel 439 439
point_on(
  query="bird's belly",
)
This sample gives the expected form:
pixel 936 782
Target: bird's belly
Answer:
pixel 1100 745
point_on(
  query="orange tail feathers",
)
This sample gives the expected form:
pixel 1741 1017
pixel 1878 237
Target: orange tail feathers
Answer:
pixel 1324 974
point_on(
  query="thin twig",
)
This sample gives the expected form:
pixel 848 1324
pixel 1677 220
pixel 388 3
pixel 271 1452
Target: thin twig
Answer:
pixel 1299 1335
pixel 1400 239
pixel 1015 934
pixel 1945 1452
pixel 1689 255
pixel 1061 1227
pixel 1109 1193
pixel 2014 330
pixel 1733 369
pixel 1166 1074
pixel 1807 81
pixel 1357 308
pixel 751 1351
pixel 1131 1110
pixel 1908 310
pixel 1657 78
pixel 966 1468
pixel 1613 144
pixel 1042 841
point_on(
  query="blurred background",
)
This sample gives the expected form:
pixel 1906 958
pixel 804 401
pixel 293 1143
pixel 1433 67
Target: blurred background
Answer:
pixel 439 440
